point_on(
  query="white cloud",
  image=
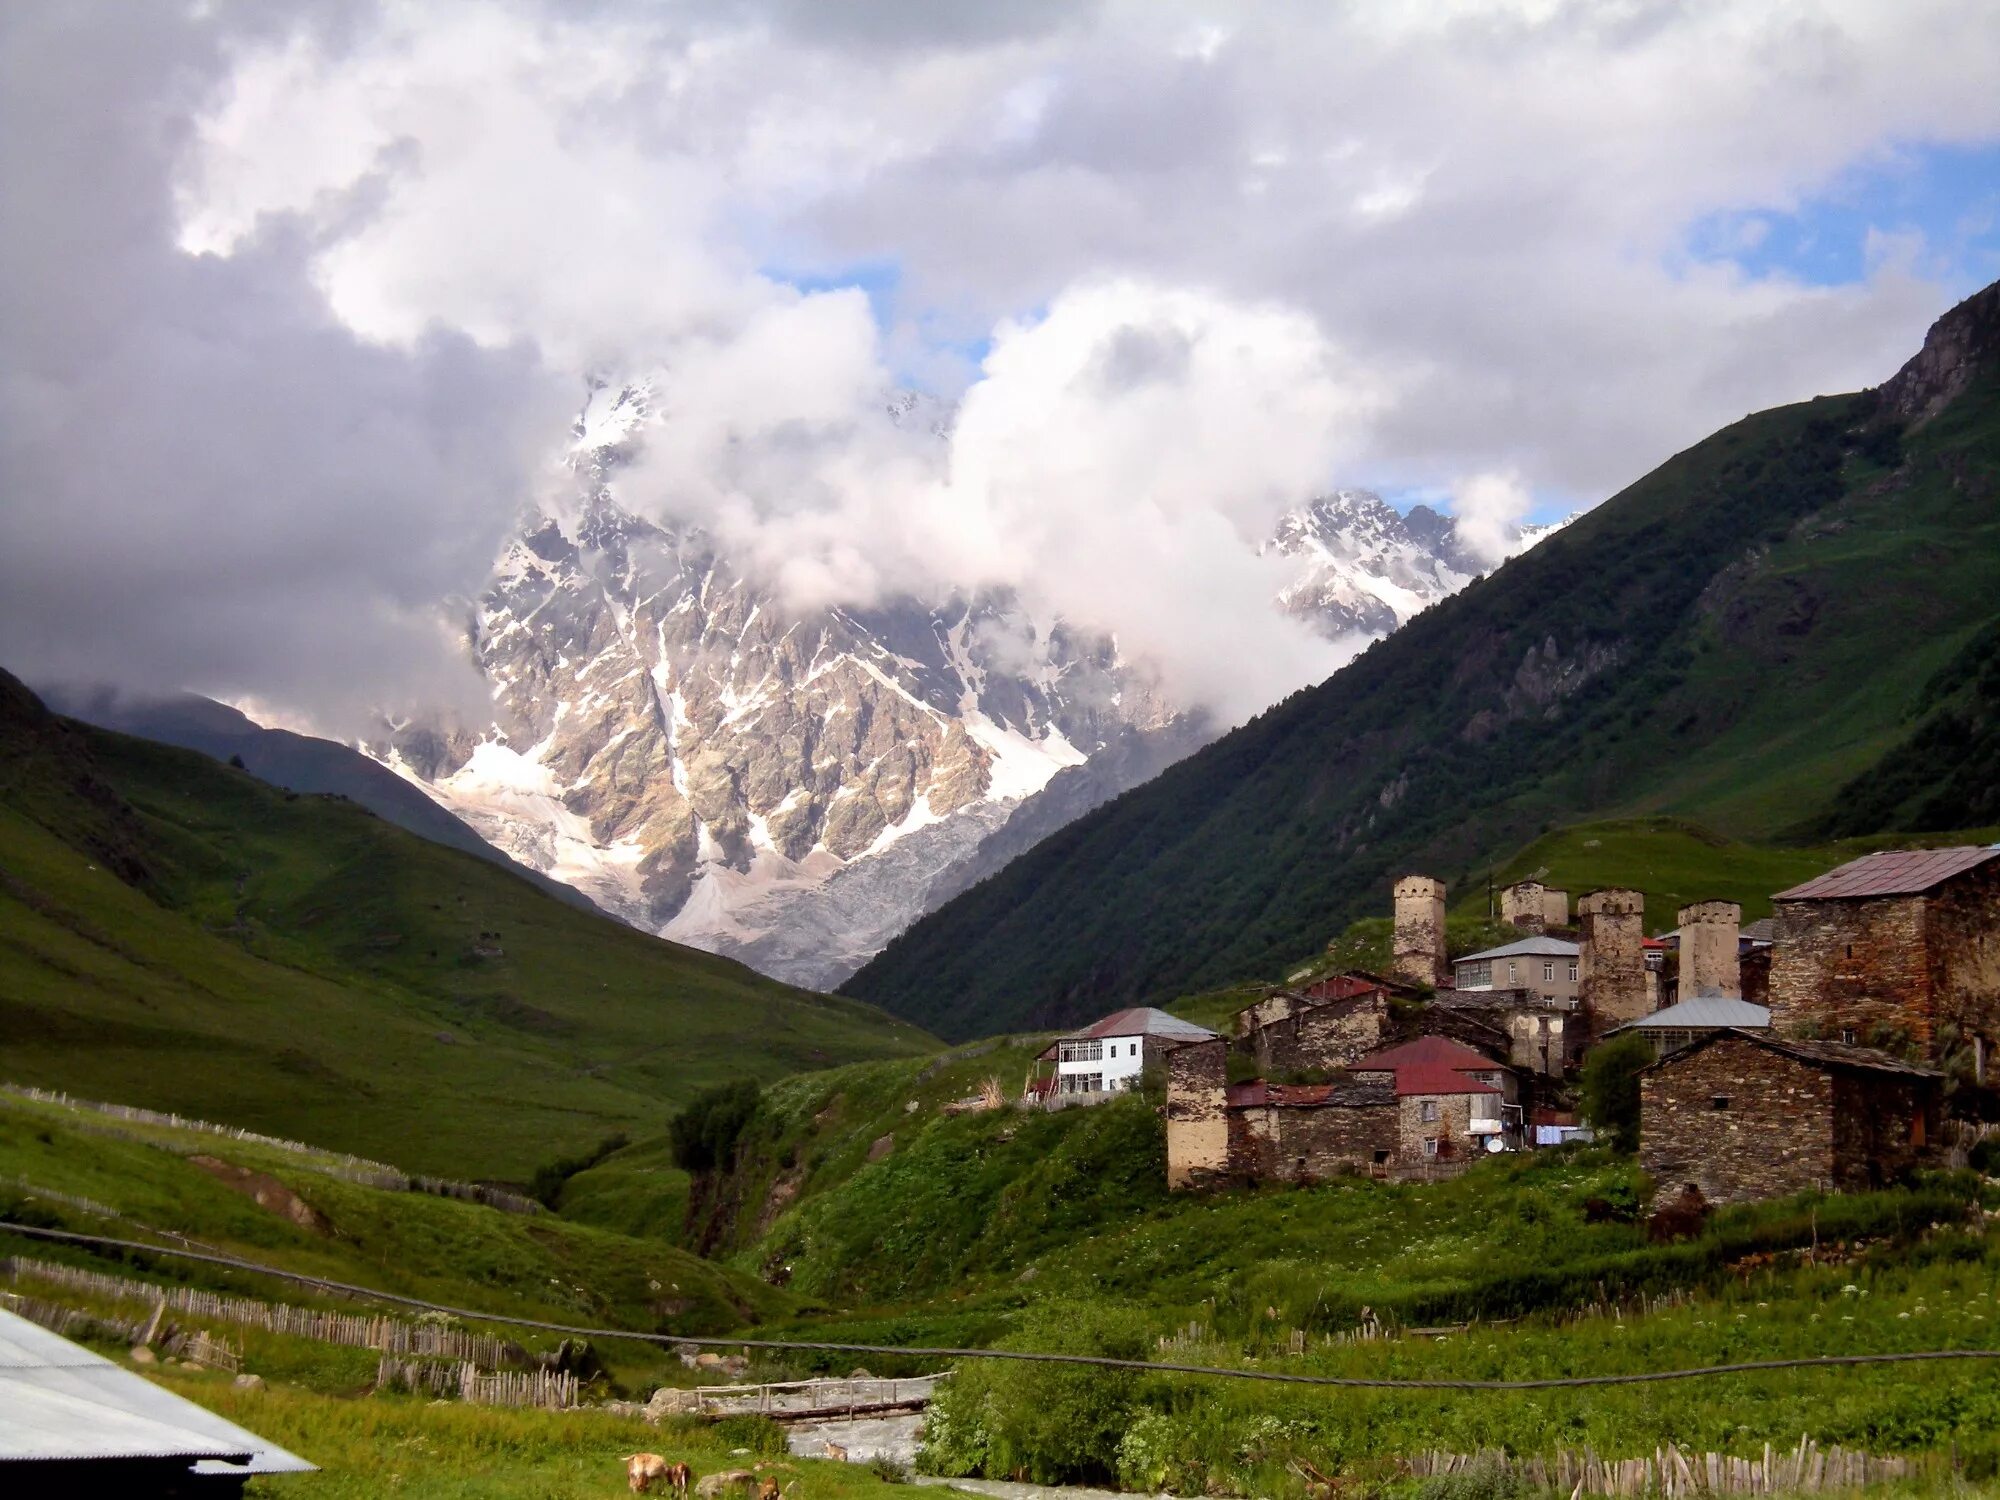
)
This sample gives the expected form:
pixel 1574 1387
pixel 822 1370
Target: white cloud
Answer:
pixel 1490 509
pixel 1205 258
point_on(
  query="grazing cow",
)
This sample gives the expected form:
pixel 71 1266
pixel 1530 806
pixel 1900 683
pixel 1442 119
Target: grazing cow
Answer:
pixel 642 1470
pixel 835 1452
pixel 679 1478
pixel 769 1490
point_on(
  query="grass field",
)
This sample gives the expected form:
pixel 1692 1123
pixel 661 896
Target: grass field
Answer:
pixel 179 935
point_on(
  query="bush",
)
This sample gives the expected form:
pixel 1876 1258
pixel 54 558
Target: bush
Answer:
pixel 547 1184
pixel 1609 1088
pixel 889 1469
pixel 1048 1423
pixel 706 1132
pixel 1486 1478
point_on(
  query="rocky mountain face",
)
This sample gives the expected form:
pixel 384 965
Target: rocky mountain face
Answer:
pixel 795 789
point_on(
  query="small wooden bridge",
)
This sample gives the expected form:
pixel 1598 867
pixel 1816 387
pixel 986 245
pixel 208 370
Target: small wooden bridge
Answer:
pixel 799 1400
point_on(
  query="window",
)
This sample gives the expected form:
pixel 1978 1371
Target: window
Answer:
pixel 1381 1157
pixel 1088 1051
pixel 1429 1111
pixel 1572 971
pixel 1720 1101
pixel 1549 971
pixel 1847 1035
pixel 1431 1147
pixel 1511 975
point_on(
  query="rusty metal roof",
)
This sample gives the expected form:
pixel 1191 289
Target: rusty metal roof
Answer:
pixel 1425 1051
pixel 1435 1078
pixel 1892 872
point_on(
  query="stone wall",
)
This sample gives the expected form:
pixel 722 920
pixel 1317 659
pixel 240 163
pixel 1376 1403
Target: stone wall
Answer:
pixel 1555 909
pixel 1859 967
pixel 1709 963
pixel 1330 1035
pixel 1883 1126
pixel 1419 941
pixel 1310 1143
pixel 1525 906
pixel 1963 938
pixel 1775 1135
pixel 1451 1129
pixel 1197 1119
pixel 1611 967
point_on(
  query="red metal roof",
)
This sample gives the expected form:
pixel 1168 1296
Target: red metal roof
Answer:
pixel 1433 1051
pixel 1433 1078
pixel 1341 987
pixel 1237 1095
pixel 1892 872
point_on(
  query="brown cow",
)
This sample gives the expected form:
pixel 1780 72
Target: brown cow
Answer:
pixel 769 1490
pixel 644 1470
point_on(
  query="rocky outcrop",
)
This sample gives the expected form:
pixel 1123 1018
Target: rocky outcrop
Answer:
pixel 1959 346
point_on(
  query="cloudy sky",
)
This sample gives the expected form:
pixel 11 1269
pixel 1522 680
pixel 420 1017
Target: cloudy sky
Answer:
pixel 297 299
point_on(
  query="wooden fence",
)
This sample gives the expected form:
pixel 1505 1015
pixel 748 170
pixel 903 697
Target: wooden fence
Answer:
pixel 555 1389
pixel 196 1346
pixel 339 1164
pixel 356 1330
pixel 1668 1471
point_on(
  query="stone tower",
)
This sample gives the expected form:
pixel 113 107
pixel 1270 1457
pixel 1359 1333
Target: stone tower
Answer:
pixel 1525 905
pixel 1709 932
pixel 1419 943
pixel 1555 908
pixel 1612 965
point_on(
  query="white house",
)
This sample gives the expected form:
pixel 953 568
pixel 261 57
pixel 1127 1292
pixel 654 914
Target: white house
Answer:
pixel 1109 1056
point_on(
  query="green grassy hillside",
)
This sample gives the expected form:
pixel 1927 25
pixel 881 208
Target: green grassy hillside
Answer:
pixel 180 935
pixel 1733 639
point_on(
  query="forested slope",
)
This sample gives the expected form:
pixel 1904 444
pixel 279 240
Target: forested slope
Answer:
pixel 1735 637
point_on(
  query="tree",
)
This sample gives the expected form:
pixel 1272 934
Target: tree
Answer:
pixel 1610 1089
pixel 706 1132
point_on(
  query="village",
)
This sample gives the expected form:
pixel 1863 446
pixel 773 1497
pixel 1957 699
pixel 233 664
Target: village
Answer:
pixel 1827 1047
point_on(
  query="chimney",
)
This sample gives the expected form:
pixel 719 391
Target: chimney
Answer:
pixel 1419 942
pixel 1709 934
pixel 1611 965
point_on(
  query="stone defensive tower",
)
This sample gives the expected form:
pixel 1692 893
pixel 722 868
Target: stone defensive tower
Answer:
pixel 1555 908
pixel 1709 933
pixel 1612 964
pixel 1419 943
pixel 1525 905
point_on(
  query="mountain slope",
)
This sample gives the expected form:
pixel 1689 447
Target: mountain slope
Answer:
pixel 295 762
pixel 1733 637
pixel 177 934
pixel 794 787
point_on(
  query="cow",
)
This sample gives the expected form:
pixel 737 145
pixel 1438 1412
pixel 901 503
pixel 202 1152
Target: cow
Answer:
pixel 644 1470
pixel 769 1489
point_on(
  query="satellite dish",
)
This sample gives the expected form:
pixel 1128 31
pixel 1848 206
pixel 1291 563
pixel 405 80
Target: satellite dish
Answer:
pixel 1493 1143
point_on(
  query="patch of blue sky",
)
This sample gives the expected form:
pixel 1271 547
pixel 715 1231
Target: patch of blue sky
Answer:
pixel 925 351
pixel 1934 208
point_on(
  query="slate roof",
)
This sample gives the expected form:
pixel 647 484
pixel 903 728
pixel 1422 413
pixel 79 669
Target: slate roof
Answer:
pixel 1425 1051
pixel 1892 872
pixel 1527 947
pixel 59 1401
pixel 1838 1055
pixel 1436 1078
pixel 1144 1020
pixel 1704 1011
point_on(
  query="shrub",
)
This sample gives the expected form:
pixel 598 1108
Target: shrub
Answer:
pixel 1486 1478
pixel 889 1469
pixel 1050 1423
pixel 706 1132
pixel 1610 1089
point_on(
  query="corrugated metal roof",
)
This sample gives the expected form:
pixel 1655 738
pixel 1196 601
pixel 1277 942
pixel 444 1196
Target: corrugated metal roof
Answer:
pixel 1528 947
pixel 1763 930
pixel 1435 1078
pixel 1144 1020
pixel 60 1401
pixel 1346 1093
pixel 1434 1051
pixel 1892 872
pixel 1702 1012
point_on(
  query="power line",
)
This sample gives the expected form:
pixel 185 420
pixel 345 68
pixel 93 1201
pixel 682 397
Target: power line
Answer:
pixel 1282 1377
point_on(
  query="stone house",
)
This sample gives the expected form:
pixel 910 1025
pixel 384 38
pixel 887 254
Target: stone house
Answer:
pixel 1905 942
pixel 1450 1098
pixel 1411 1110
pixel 1742 1115
pixel 1534 907
pixel 1111 1055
